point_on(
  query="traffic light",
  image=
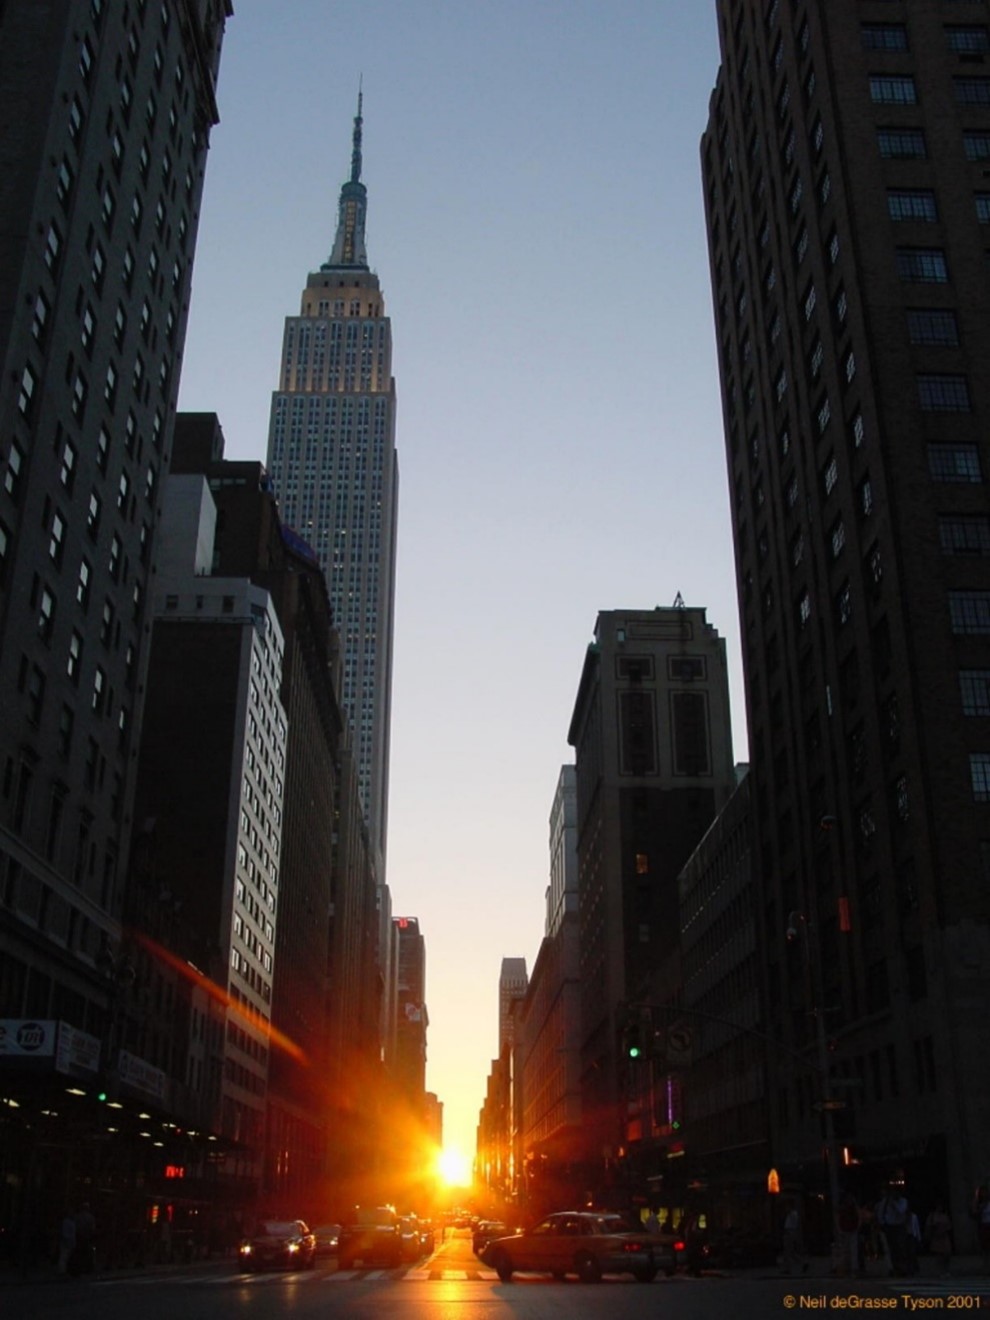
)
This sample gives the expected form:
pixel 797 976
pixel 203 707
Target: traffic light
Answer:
pixel 633 1041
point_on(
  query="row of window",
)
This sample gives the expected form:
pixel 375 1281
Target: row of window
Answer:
pixel 961 39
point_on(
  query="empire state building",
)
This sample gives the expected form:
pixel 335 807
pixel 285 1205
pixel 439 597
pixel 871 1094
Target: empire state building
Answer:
pixel 331 455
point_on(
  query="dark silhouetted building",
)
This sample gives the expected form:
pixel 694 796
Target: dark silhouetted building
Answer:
pixel 845 178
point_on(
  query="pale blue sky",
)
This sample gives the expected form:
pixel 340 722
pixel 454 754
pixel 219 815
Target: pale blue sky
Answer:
pixel 535 215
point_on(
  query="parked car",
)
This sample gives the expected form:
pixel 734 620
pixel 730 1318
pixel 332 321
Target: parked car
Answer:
pixel 327 1237
pixel 371 1236
pixel 409 1236
pixel 286 1242
pixel 485 1230
pixel 584 1243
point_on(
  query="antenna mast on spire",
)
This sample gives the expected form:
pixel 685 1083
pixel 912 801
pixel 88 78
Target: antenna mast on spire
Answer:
pixel 356 152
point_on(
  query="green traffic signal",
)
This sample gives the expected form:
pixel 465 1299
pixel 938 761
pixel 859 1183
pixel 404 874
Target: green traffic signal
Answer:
pixel 101 1096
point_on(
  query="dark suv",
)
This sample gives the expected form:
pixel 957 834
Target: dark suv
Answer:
pixel 371 1236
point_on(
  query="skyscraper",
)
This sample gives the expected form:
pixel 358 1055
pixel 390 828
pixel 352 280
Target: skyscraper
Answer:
pixel 331 454
pixel 105 117
pixel 845 176
pixel 653 767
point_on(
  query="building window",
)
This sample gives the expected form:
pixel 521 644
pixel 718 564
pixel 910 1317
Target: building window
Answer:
pixel 56 543
pixel 969 612
pixel 74 661
pixel 25 395
pixel 843 605
pixel 64 179
pixel 972 91
pixel 884 36
pixel 928 325
pixel 901 143
pixel 964 534
pixel 39 321
pixel 974 687
pixel 83 584
pixel 976 145
pixel 982 201
pixel 858 430
pixel 893 90
pixel 830 475
pixel 979 769
pixel 943 393
pixel 838 537
pixel 67 471
pixel 46 615
pixel 954 463
pixel 922 265
pixel 911 204
pixel 690 733
pixel 967 40
pixel 93 516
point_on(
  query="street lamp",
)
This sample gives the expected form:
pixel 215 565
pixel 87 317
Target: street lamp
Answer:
pixel 797 930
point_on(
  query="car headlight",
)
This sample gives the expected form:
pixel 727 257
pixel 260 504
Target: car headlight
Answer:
pixel 245 1248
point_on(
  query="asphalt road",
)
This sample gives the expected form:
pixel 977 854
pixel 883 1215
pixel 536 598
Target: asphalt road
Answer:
pixel 453 1285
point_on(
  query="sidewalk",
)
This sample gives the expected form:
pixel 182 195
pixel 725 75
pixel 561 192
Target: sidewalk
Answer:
pixel 46 1274
pixel 968 1268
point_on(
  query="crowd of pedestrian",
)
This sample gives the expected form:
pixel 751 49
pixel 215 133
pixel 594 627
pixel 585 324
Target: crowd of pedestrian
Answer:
pixel 886 1236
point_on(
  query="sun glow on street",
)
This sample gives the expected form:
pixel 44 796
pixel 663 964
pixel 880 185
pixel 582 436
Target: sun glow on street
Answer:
pixel 453 1167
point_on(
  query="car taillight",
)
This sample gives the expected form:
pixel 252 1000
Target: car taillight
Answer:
pixel 680 1246
pixel 633 1246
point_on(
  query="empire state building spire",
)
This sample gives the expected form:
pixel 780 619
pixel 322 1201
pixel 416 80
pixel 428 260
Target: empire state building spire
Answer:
pixel 348 246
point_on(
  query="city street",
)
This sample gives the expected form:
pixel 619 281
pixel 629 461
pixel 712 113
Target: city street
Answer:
pixel 452 1284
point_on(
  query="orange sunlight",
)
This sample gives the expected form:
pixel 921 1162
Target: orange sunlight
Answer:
pixel 453 1168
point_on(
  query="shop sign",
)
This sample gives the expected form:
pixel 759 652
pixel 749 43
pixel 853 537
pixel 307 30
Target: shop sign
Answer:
pixel 27 1038
pixel 78 1053
pixel 142 1076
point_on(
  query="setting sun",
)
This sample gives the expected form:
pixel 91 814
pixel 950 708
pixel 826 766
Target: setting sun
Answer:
pixel 453 1168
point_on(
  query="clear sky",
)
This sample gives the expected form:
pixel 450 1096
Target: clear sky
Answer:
pixel 535 215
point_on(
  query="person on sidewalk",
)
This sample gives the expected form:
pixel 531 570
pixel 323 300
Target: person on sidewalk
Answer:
pixel 892 1212
pixel 938 1237
pixel 82 1260
pixel 981 1215
pixel 66 1241
pixel 847 1225
pixel 792 1259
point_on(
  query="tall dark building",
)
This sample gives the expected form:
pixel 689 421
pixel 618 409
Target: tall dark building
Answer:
pixel 653 764
pixel 846 183
pixel 105 116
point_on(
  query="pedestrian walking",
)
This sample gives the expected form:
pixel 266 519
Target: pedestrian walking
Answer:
pixel 82 1260
pixel 981 1214
pixel 913 1241
pixel 892 1212
pixel 66 1241
pixel 847 1232
pixel 938 1237
pixel 792 1259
